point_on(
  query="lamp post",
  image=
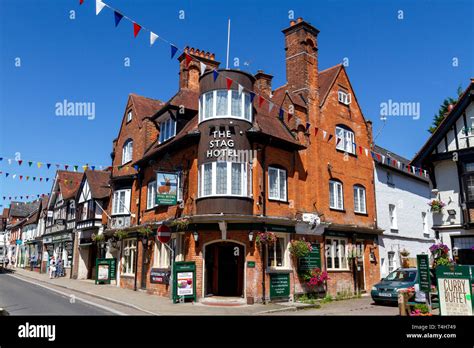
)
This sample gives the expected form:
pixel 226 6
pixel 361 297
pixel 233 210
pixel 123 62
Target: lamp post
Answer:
pixel 144 251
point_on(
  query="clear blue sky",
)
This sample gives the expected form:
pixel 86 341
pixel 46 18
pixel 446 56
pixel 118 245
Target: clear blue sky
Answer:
pixel 81 60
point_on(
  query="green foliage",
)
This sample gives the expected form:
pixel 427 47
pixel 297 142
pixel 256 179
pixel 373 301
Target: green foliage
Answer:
pixel 180 224
pixel 443 110
pixel 97 237
pixel 300 248
pixel 121 234
pixel 145 231
pixel 422 307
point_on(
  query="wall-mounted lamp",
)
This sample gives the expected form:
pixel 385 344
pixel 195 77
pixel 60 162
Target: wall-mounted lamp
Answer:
pixel 196 236
pixel 251 236
pixel 451 212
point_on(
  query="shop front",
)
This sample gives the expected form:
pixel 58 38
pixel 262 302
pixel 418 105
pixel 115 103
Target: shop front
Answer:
pixel 87 254
pixel 60 246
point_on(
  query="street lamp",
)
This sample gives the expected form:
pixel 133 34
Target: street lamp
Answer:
pixel 251 236
pixel 196 236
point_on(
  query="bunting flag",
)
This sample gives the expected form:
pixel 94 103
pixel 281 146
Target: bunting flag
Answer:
pixel 316 129
pixel 307 126
pixel 136 167
pixel 241 89
pixel 48 165
pixel 290 115
pixel 93 167
pixel 20 162
pixel 85 167
pixel 99 5
pixel 21 177
pixel 66 166
pixel 118 17
pixel 6 175
pixel 75 168
pixel 30 163
pixel 260 101
pixel 39 164
pixel 81 2
pixel 136 29
pixel 330 137
pixel 270 106
pixel 338 141
pixel 281 114
pixel 216 74
pixel 203 68
pixel 153 38
pixel 324 134
pixel 367 152
pixel 174 49
pixel 188 59
pixel 228 82
pixel 360 150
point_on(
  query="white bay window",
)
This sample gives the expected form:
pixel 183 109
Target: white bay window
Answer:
pixel 225 104
pixel 225 179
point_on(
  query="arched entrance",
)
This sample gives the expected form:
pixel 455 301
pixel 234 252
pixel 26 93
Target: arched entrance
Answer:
pixel 224 269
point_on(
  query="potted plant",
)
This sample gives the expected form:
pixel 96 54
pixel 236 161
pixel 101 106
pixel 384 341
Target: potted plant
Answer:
pixel 440 254
pixel 300 248
pixel 314 279
pixel 120 234
pixel 265 238
pixel 97 238
pixel 436 206
pixel 180 224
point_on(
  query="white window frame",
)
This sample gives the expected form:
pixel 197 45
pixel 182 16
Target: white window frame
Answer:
pixel 391 262
pixel 129 116
pixel 245 179
pixel 130 247
pixel 118 207
pixel 392 214
pixel 167 129
pixel 283 197
pixel 360 197
pixel 334 186
pixel 344 97
pixel 347 143
pixel 285 253
pixel 127 151
pixel 151 195
pixel 333 251
pixel 424 219
pixel 203 105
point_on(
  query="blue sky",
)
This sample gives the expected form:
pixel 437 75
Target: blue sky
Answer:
pixel 82 60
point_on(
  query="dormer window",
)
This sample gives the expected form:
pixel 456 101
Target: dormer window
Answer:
pixel 224 103
pixel 127 151
pixel 167 129
pixel 344 97
pixel 129 116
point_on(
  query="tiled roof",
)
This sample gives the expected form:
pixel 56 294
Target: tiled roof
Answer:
pixel 5 213
pixel 20 209
pixel 99 183
pixel 184 97
pixel 326 80
pixel 144 107
pixel 69 189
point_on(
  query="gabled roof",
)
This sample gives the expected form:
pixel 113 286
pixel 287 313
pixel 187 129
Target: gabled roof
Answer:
pixel 280 93
pixel 144 107
pixel 20 209
pixel 184 97
pixel 445 125
pixel 68 189
pixel 326 80
pixel 98 183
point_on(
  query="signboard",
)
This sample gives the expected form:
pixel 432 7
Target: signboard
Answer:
pixel 312 261
pixel 424 277
pixel 279 286
pixel 160 276
pixel 454 288
pixel 163 234
pixel 166 188
pixel 105 270
pixel 184 281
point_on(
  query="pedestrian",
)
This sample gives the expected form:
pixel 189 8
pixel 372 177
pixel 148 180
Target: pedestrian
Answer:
pixel 52 268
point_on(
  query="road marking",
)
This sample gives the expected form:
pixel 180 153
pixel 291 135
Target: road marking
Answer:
pixel 69 295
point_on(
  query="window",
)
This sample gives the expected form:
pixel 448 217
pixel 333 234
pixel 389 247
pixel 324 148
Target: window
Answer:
pixel 161 257
pixel 359 199
pixel 225 104
pixel 71 214
pixel 392 212
pixel 121 202
pixel 151 194
pixel 167 129
pixel 424 219
pixel 336 253
pixel 277 183
pixel 224 178
pixel 85 207
pixel 344 97
pixel 336 199
pixel 391 261
pixel 129 116
pixel 390 179
pixel 128 258
pixel 347 140
pixel 127 151
pixel 277 253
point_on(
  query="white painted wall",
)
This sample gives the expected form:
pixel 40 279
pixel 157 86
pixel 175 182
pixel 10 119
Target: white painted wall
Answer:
pixel 460 134
pixel 447 180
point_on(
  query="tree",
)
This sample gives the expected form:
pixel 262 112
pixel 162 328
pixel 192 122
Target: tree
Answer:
pixel 443 110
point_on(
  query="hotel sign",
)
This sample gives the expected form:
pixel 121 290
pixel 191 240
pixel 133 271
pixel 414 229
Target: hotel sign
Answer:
pixel 454 288
pixel 166 188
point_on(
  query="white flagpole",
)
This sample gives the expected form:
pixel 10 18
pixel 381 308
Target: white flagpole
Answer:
pixel 228 45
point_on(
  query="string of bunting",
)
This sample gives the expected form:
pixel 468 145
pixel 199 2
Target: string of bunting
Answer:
pixel 26 197
pixel 21 177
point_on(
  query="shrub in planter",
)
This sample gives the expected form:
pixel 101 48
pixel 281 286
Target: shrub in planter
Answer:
pixel 436 206
pixel 180 224
pixel 440 254
pixel 120 234
pixel 97 238
pixel 300 248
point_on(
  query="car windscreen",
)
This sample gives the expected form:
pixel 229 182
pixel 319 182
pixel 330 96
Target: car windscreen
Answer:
pixel 402 276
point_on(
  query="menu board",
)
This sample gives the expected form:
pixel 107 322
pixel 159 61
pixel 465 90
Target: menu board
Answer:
pixel 312 261
pixel 185 283
pixel 454 287
pixel 279 286
pixel 424 278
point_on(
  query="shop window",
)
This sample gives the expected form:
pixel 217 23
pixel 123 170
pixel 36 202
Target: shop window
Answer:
pixel 336 254
pixel 167 129
pixel 121 202
pixel 127 151
pixel 151 194
pixel 345 139
pixel 359 199
pixel 277 183
pixel 128 258
pixel 224 179
pixel 336 198
pixel 277 253
pixel 225 104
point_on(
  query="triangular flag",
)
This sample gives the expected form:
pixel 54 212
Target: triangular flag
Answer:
pixel 47 179
pixel 41 179
pixel 21 177
pixel 281 114
pixel 316 131
pixel 75 168
pixel 366 152
pixel 93 167
pixel 30 163
pixel 216 74
pixel 85 167
pixel 118 17
pixel 66 166
pixel 39 164
pixel 241 89
pixel 324 134
pixel 34 178
pixel 99 5
pixel 228 82
pixel 27 178
pixel 260 100
pixel 20 162
pixel 48 165
pixel 6 175
pixel 188 59
pixel 307 126
pixel 383 159
pixel 360 149
pixel 14 176
pixel 174 49
pixel 330 137
pixel 9 161
pixel 203 67
pixel 270 106
pixel 290 116
pixel 338 141
pixel 136 29
pixel 252 96
pixel 153 38
pixel 81 2
pixel 136 167
pixel 378 156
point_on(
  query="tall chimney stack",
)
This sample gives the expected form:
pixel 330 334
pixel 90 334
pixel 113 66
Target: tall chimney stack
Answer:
pixel 189 75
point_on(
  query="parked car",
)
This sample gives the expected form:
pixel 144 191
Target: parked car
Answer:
pixel 401 278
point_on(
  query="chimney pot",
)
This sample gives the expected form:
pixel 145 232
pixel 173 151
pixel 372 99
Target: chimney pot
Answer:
pixel 292 23
pixel 299 20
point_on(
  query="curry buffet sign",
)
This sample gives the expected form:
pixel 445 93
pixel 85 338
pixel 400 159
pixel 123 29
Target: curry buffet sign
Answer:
pixel 166 188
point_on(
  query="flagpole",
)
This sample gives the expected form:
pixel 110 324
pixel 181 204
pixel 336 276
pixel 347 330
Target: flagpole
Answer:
pixel 228 44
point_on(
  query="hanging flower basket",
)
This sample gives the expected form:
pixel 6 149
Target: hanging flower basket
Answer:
pixel 436 206
pixel 300 248
pixel 404 253
pixel 314 278
pixel 440 254
pixel 265 238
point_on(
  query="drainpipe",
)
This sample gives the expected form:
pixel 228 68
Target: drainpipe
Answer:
pixel 264 213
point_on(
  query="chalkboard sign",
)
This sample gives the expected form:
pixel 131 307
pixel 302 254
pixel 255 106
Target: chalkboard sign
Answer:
pixel 160 276
pixel 312 261
pixel 424 279
pixel 279 286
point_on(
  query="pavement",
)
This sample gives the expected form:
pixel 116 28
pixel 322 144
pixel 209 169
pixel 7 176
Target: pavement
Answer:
pixel 113 300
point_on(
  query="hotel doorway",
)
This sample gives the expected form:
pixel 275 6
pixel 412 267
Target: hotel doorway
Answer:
pixel 224 269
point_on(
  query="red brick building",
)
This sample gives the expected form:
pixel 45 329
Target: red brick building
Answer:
pixel 218 165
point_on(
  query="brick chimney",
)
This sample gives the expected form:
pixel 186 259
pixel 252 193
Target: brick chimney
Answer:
pixel 189 76
pixel 263 83
pixel 301 48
